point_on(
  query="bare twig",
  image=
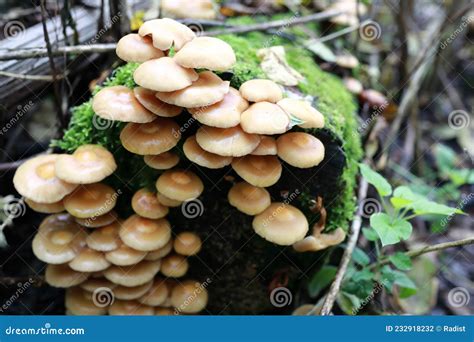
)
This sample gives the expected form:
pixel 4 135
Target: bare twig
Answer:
pixel 46 78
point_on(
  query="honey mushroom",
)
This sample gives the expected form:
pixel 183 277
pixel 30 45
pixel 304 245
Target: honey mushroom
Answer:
pixel 162 161
pixel 63 276
pixel 303 111
pixel 189 297
pixel 146 204
pixel 131 293
pixel 166 33
pixel 179 185
pixel 104 239
pixel 174 266
pixel 135 48
pixel 198 155
pixel 259 90
pixel 145 234
pixel 266 147
pixel 92 284
pixel 187 243
pixel 156 294
pixel 130 307
pixel 300 149
pixel 249 199
pixel 265 118
pixel 261 171
pixel 89 260
pixel 160 252
pixel 91 200
pixel 124 255
pixel 148 100
pixel 168 201
pixel 79 302
pixel 46 208
pixel 97 221
pixel 134 275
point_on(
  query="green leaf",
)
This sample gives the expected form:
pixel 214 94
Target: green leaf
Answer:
pixel 370 234
pixel 425 206
pixel 364 274
pixel 360 257
pixel 445 157
pixel 377 180
pixel 321 279
pixel 401 261
pixel 348 302
pixel 390 230
pixel 321 50
pixel 404 292
pixel 392 277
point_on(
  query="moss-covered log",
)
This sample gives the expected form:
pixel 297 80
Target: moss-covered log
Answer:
pixel 241 266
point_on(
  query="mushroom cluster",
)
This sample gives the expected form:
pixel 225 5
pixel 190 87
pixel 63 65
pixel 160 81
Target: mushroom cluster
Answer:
pixel 88 247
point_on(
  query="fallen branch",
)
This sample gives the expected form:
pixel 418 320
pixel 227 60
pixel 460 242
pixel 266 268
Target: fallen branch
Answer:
pixel 46 78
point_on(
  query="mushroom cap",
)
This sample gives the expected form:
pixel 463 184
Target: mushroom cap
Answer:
pixel 135 48
pixel 266 147
pixel 321 241
pixel 187 243
pixel 168 201
pixel 134 275
pixel 104 239
pixel 281 223
pixel 198 155
pixel 162 161
pixel 97 221
pixel 46 208
pixel 156 294
pixel 167 33
pixel 146 204
pixel 229 142
pixel 93 284
pixel 179 185
pixel 118 103
pixel 89 260
pixel 88 164
pixel 145 234
pixel 189 297
pixel 174 265
pixel 155 137
pixel 249 199
pixel 223 114
pixel 303 111
pixel 353 85
pixel 79 302
pixel 202 9
pixel 160 252
pixel 130 308
pixel 207 90
pixel 148 99
pixel 259 90
pixel 265 118
pixel 206 53
pixel 160 311
pixel 63 276
pixel 58 240
pixel 36 179
pixel 130 293
pixel 261 171
pixel 300 149
pixel 125 255
pixel 347 61
pixel 152 73
pixel 91 200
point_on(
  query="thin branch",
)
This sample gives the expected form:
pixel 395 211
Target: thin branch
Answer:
pixel 46 78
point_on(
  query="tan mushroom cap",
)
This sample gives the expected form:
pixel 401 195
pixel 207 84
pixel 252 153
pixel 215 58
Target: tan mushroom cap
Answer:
pixel 88 164
pixel 223 114
pixel 124 255
pixel 206 53
pixel 259 90
pixel 63 276
pixel 261 171
pixel 36 179
pixel 89 260
pixel 118 103
pixel 303 111
pixel 353 85
pixel 179 185
pixel 58 240
pixel 229 142
pixel 347 61
pixel 148 99
pixel 97 221
pixel 168 201
pixel 249 199
pixel 104 239
pixel 92 284
pixel 156 294
pixel 160 252
pixel 300 149
pixel 135 48
pixel 167 33
pixel 146 204
pixel 131 293
pixel 145 234
pixel 130 308
pixel 164 74
pixel 174 266
pixel 202 9
pixel 207 90
pixel 162 161
pixel 320 241
pixel 155 137
pixel 266 147
pixel 187 243
pixel 134 275
pixel 189 297
pixel 265 118
pixel 46 208
pixel 91 200
pixel 79 302
pixel 160 311
pixel 281 223
pixel 198 155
